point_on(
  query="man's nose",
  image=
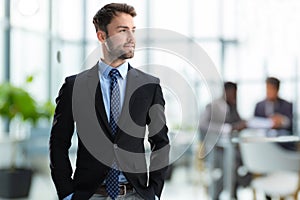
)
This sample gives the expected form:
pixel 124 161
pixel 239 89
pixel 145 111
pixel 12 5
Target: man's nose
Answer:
pixel 131 36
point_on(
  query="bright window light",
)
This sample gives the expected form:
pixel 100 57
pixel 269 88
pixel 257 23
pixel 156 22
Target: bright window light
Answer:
pixel 28 7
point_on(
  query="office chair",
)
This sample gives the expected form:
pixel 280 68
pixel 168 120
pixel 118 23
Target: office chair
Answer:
pixel 278 167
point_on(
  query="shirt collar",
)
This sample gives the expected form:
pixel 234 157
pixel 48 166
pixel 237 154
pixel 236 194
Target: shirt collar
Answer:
pixel 104 69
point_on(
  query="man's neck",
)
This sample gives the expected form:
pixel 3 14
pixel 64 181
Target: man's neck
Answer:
pixel 273 100
pixel 113 63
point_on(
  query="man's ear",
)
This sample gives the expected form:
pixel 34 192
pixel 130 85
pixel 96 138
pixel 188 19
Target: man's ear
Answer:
pixel 101 35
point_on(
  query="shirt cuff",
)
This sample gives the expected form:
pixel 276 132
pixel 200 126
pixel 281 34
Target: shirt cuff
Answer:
pixel 69 197
pixel 226 130
pixel 285 123
pixel 156 197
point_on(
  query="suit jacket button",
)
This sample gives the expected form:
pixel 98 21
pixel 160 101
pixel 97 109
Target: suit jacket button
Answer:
pixel 115 146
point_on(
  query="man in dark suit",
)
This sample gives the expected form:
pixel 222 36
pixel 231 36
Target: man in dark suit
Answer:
pixel 111 105
pixel 277 109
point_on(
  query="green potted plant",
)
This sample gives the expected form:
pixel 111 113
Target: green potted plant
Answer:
pixel 16 102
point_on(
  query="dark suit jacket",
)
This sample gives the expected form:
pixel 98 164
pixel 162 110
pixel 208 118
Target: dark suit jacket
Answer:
pixel 142 93
pixel 281 106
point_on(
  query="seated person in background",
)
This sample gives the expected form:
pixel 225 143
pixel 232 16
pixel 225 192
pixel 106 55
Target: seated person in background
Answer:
pixel 211 119
pixel 212 122
pixel 278 110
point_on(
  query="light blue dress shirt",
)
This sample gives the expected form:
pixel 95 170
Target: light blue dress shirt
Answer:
pixel 104 70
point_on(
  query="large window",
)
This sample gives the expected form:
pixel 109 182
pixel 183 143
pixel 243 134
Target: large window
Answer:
pixel 67 19
pixel 1 54
pixel 29 57
pixel 28 45
pixel 30 15
pixel 204 19
pixel 66 61
pixel 267 46
pixel 176 18
pixel 2 28
pixel 2 11
pixel 247 40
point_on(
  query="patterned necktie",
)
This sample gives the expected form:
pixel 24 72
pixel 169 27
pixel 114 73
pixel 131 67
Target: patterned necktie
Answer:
pixel 114 100
pixel 112 179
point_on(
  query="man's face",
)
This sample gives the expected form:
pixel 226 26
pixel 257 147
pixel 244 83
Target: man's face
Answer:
pixel 120 41
pixel 230 96
pixel 272 92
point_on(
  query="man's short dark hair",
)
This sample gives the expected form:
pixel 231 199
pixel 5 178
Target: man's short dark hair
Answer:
pixel 230 85
pixel 104 16
pixel 273 81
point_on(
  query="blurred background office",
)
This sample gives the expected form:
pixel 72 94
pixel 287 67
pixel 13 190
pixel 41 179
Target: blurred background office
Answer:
pixel 247 41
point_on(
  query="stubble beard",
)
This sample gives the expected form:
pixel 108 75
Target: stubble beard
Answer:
pixel 118 52
pixel 127 55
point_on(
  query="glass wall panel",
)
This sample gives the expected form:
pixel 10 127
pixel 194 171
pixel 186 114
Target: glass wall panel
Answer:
pixel 91 46
pixel 204 18
pixel 177 77
pixel 297 101
pixel 29 57
pixel 67 19
pixel 2 54
pixel 30 14
pixel 252 65
pixel 267 35
pixel 91 9
pixel 228 19
pixel 288 90
pixel 69 62
pixel 172 15
pixel 249 93
pixel 231 64
pixel 140 60
pixel 281 67
pixel 213 50
pixel 268 46
pixel 93 54
pixel 2 11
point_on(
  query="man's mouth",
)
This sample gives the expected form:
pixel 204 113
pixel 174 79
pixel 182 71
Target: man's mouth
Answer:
pixel 129 46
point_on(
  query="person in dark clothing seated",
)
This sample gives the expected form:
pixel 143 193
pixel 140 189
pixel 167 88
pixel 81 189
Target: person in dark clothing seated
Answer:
pixel 277 109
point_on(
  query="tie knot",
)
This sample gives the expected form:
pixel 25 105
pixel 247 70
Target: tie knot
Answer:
pixel 114 73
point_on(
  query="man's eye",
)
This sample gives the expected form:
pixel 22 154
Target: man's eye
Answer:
pixel 123 30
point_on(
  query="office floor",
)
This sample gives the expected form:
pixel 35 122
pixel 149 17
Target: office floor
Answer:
pixel 183 185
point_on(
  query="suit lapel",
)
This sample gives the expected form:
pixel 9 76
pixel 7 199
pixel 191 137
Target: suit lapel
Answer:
pixel 93 82
pixel 132 82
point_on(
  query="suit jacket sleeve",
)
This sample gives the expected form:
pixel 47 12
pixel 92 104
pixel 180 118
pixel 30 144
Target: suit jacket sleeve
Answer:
pixel 286 109
pixel 159 142
pixel 211 122
pixel 256 110
pixel 60 141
